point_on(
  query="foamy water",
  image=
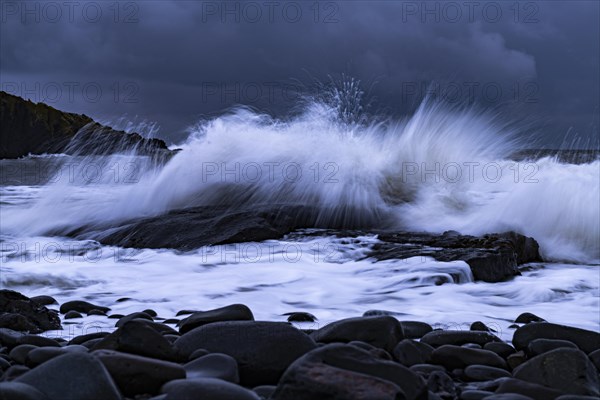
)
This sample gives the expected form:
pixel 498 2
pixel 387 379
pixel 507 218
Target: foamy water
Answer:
pixel 440 169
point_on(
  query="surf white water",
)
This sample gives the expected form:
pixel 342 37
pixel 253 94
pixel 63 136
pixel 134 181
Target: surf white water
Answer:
pixel 439 169
pixel 326 276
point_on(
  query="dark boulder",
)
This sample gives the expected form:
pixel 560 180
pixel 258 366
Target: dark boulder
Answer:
pixel 234 312
pixel 532 390
pixel 455 357
pixel 73 376
pixel 383 331
pixel 44 300
pixel 40 355
pixel 263 350
pixel 18 312
pixel 415 329
pixel 539 346
pixel 485 373
pixel 409 352
pixel 19 391
pixel 528 317
pixel 458 338
pixel 565 369
pixel 206 388
pixel 137 375
pixel 213 365
pixel 587 341
pixel 136 337
pixel 341 371
pixel 502 349
pixel 81 307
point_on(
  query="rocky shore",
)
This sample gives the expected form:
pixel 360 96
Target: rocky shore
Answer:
pixel 226 354
pixel 36 128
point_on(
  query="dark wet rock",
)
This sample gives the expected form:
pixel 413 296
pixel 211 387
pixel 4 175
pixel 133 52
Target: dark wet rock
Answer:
pixel 9 337
pixel 214 365
pixel 4 364
pixel 479 326
pixel 20 313
pixel 44 300
pixel 533 390
pixel 88 336
pixel 453 357
pixel 595 358
pixel 197 354
pixel 341 371
pixel 19 353
pixel 471 346
pixel 206 388
pixel 135 375
pixel 37 341
pixel 115 316
pixel 73 376
pixel 264 391
pixel 376 351
pixel 502 349
pixel 300 317
pixel 492 257
pixel 474 394
pixel 415 329
pixel 458 338
pixel 576 397
pixel 383 332
pixel 159 327
pixel 516 359
pixel 171 321
pixel 72 315
pixel 136 315
pixel 13 372
pixel 263 350
pixel 587 341
pixel 565 369
pixel 19 391
pixel 234 312
pixel 440 383
pixel 150 312
pixel 185 312
pixel 81 307
pixel 409 352
pixel 528 317
pixel 96 312
pixel 485 373
pixel 426 369
pixel 508 396
pixel 171 338
pixel 30 128
pixel 42 354
pixel 539 346
pixel 210 225
pixel 136 337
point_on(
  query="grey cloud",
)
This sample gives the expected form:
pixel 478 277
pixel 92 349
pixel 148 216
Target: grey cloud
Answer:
pixel 178 57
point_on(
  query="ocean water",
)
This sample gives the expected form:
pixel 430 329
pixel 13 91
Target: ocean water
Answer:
pixel 441 169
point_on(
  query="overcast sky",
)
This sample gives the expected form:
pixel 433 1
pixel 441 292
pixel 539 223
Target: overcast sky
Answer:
pixel 175 62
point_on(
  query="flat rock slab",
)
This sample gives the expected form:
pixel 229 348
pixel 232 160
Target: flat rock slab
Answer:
pixel 492 257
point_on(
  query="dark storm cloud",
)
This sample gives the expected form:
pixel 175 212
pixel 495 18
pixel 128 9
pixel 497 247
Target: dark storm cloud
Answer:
pixel 175 61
